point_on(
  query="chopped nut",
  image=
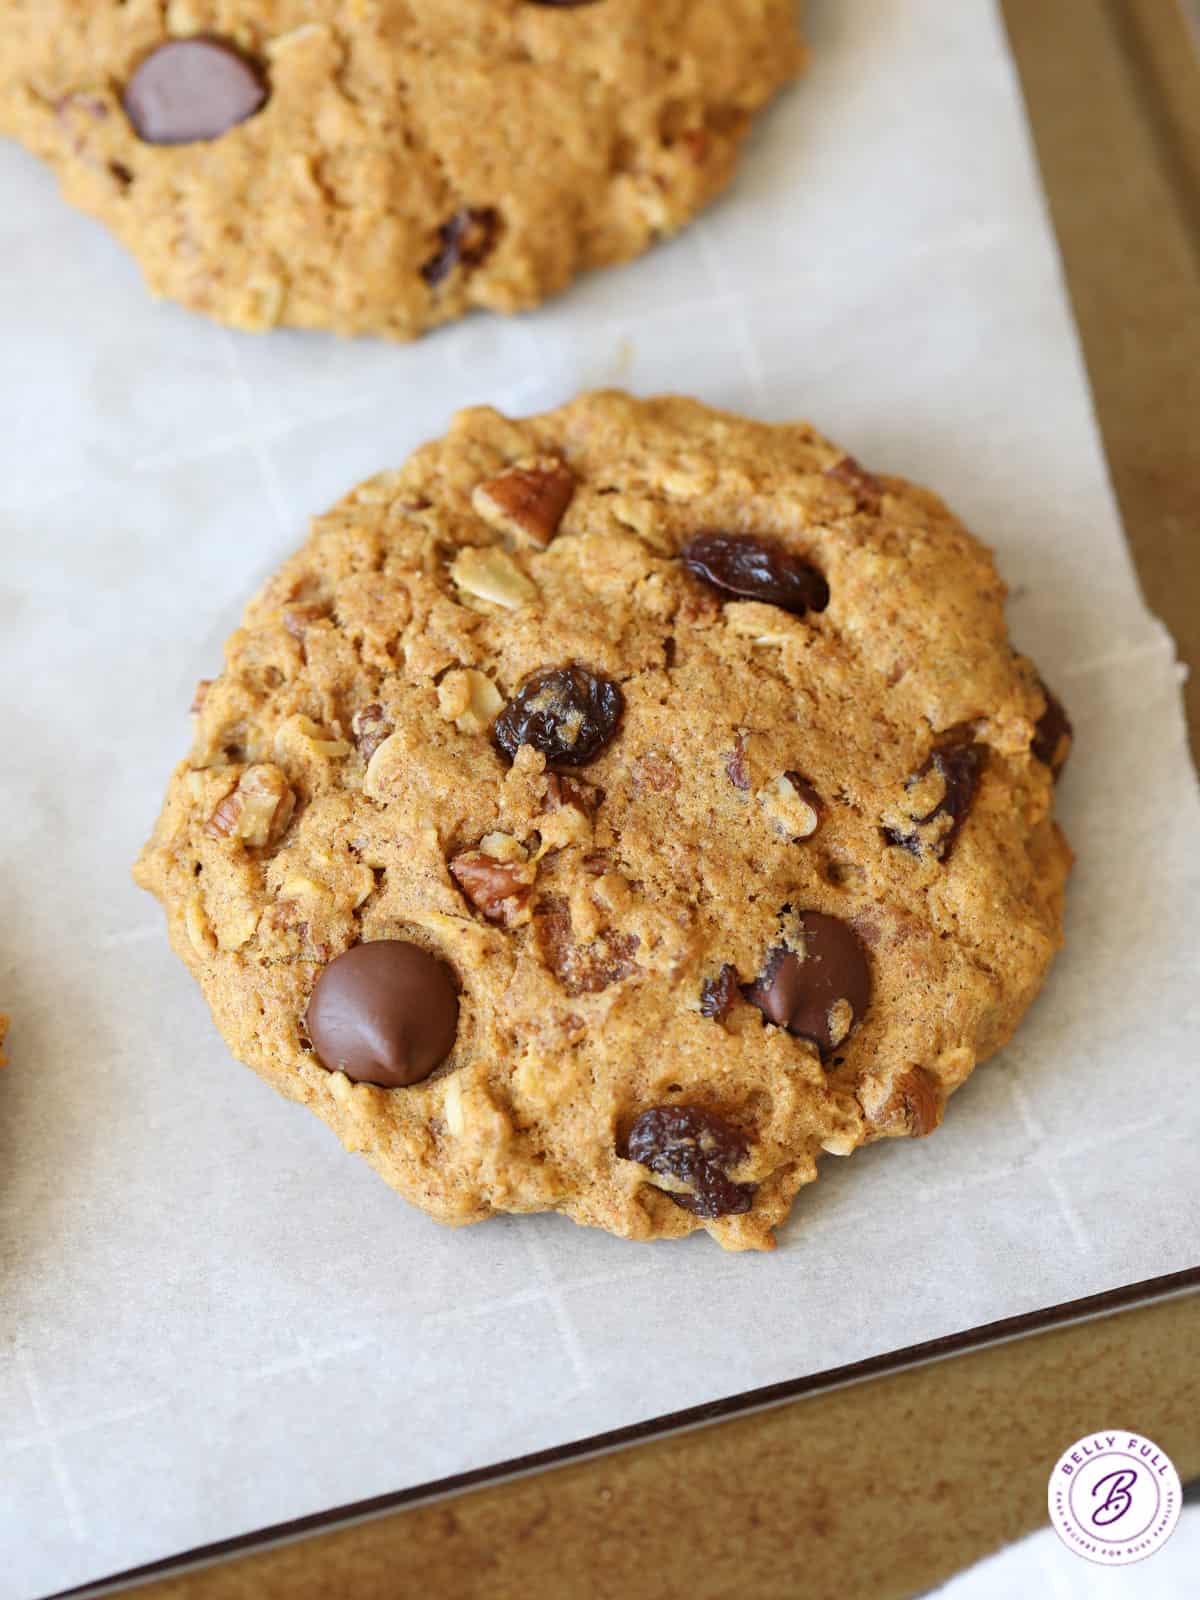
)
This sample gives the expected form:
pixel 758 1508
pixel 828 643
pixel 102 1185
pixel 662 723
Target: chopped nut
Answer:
pixel 300 887
pixel 790 804
pixel 199 931
pixel 492 574
pixel 735 764
pixel 503 847
pixel 298 618
pixel 498 889
pixel 844 1143
pixel 914 1107
pixel 258 811
pixel 201 695
pixel 370 728
pixel 763 624
pixel 470 700
pixel 452 1108
pixel 566 791
pixel 304 737
pixel 528 500
pixel 841 1020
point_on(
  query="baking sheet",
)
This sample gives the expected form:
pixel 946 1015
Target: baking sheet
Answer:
pixel 211 1319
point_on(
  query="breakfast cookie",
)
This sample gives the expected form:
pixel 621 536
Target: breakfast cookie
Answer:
pixel 381 166
pixel 611 811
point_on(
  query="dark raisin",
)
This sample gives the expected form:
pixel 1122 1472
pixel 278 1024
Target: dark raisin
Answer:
pixel 465 241
pixel 756 569
pixel 718 994
pixel 1053 734
pixel 822 988
pixel 960 765
pixel 694 1148
pixel 568 713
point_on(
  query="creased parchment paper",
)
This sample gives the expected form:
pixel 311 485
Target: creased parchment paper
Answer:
pixel 211 1318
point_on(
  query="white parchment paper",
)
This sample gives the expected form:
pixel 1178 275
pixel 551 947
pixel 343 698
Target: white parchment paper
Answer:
pixel 211 1319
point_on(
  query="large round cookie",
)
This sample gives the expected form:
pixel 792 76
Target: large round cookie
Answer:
pixel 383 165
pixel 698 760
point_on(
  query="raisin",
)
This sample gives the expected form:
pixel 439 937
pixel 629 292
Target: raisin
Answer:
pixel 568 713
pixel 1053 734
pixel 756 569
pixel 718 994
pixel 960 765
pixel 695 1148
pixel 465 241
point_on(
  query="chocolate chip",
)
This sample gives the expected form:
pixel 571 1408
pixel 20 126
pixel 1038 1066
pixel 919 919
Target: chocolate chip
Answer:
pixel 568 713
pixel 756 569
pixel 820 991
pixel 192 89
pixel 1053 734
pixel 718 994
pixel 959 763
pixel 384 1013
pixel 695 1149
pixel 464 241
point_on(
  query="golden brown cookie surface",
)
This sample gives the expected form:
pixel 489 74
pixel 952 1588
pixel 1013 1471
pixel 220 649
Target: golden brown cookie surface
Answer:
pixel 696 757
pixel 384 165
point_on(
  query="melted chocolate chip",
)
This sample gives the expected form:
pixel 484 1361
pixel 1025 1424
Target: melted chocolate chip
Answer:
pixel 820 992
pixel 1053 734
pixel 756 569
pixel 568 713
pixel 192 89
pixel 384 1013
pixel 465 241
pixel 718 994
pixel 694 1148
pixel 960 765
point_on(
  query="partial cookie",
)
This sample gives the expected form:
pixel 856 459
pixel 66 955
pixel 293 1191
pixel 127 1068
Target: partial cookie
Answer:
pixel 612 811
pixel 382 166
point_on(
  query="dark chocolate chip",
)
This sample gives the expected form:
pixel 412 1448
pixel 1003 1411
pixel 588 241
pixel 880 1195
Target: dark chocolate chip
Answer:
pixel 820 992
pixel 959 763
pixel 384 1013
pixel 568 713
pixel 1053 734
pixel 756 569
pixel 192 89
pixel 694 1148
pixel 464 241
pixel 718 994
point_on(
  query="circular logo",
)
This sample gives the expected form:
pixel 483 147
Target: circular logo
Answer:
pixel 1114 1497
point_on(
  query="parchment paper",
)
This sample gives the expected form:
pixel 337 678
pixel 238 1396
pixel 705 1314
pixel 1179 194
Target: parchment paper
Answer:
pixel 213 1319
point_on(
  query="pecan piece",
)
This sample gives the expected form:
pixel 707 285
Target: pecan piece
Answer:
pixel 499 890
pixel 528 500
pixel 258 811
